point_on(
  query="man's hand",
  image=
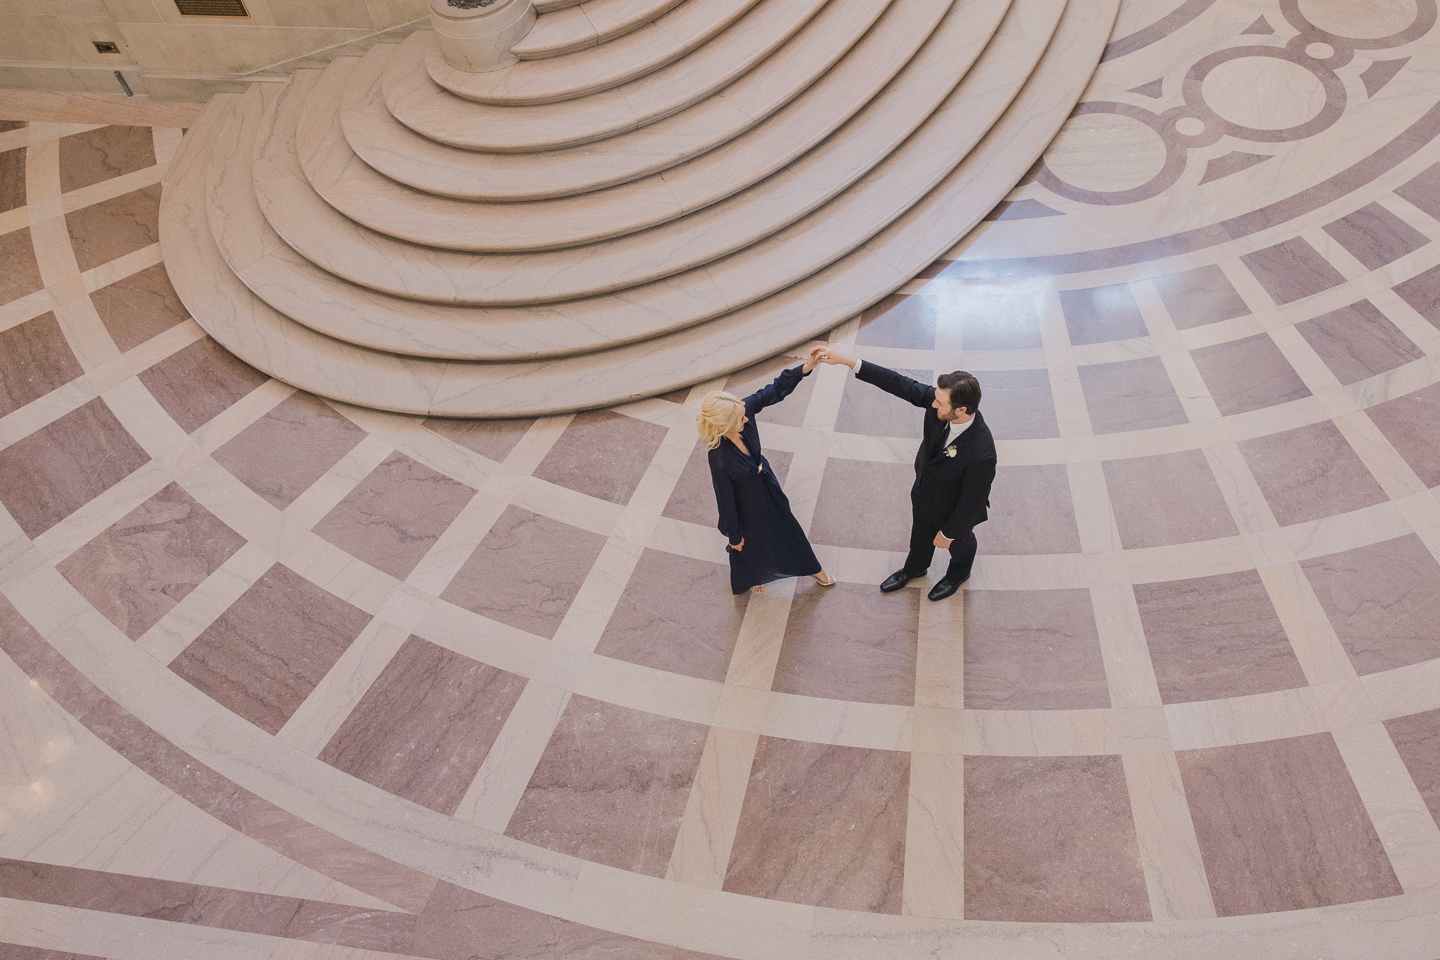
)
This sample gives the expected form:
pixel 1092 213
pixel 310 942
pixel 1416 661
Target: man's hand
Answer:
pixel 942 542
pixel 834 356
pixel 737 547
pixel 816 355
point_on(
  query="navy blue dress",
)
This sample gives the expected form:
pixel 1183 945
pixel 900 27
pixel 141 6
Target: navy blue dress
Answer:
pixel 752 505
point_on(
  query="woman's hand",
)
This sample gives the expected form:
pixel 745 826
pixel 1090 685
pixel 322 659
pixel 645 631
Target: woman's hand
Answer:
pixel 737 547
pixel 815 356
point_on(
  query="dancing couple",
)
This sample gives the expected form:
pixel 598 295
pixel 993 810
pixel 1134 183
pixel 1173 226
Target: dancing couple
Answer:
pixel 954 468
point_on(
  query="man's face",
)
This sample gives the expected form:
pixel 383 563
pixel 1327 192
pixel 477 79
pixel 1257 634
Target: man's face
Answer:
pixel 943 409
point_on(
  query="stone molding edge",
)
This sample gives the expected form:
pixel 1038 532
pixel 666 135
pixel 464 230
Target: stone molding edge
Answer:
pixel 477 38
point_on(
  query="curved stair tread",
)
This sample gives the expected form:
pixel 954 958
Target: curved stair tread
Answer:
pixel 550 6
pixel 371 259
pixel 369 198
pixel 661 121
pixel 590 71
pixel 723 56
pixel 291 352
pixel 586 25
pixel 713 74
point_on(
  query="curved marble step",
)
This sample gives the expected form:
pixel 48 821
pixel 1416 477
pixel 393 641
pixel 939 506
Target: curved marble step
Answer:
pixel 369 198
pixel 550 6
pixel 586 72
pixel 292 352
pixel 708 74
pixel 902 175
pixel 587 24
pixel 661 121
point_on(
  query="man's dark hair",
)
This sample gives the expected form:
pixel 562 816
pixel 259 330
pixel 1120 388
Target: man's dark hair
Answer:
pixel 964 390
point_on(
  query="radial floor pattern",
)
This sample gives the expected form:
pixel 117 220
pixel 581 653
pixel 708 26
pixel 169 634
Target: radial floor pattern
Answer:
pixel 282 678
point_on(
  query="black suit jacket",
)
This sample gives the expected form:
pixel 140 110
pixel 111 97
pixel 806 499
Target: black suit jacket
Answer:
pixel 951 492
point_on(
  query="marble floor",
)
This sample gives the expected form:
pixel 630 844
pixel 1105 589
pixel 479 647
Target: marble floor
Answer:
pixel 284 678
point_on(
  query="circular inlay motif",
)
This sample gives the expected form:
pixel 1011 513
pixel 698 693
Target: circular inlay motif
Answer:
pixel 1263 93
pixel 1133 153
pixel 1361 19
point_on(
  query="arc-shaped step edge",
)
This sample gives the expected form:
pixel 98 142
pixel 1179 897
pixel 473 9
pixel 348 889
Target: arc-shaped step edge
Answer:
pixel 367 197
pixel 658 105
pixel 588 72
pixel 662 121
pixel 586 25
pixel 371 259
pixel 550 6
pixel 749 38
pixel 298 355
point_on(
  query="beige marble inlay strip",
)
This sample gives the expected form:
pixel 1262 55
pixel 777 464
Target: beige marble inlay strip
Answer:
pixel 701 853
pixel 1398 811
pixel 1169 850
pixel 121 267
pixel 189 618
pixel 232 421
pixel 40 925
pixel 27 307
pixel 109 189
pixel 311 726
pixel 1306 624
pixel 935 837
pixel 1037 733
pixel 501 780
pixel 1262 716
pixel 167 141
pixel 335 485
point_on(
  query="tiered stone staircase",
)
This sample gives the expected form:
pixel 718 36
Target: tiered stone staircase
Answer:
pixel 660 191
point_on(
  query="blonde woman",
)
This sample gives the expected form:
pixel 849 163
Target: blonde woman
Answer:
pixel 765 540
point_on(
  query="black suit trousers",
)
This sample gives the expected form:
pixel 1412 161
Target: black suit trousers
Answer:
pixel 922 549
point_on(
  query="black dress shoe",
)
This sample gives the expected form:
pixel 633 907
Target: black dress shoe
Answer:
pixel 895 581
pixel 944 588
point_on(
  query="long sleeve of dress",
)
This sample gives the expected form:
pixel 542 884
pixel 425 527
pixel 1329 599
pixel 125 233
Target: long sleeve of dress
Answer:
pixel 778 390
pixel 911 391
pixel 725 500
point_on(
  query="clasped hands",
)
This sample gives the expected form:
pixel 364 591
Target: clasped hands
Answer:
pixel 821 353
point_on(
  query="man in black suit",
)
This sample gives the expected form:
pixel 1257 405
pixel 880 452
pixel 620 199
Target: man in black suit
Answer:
pixel 954 468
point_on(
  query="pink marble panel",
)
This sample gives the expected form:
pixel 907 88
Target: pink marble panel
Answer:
pixel 263 656
pixel 1018 404
pixel 1248 374
pixel 395 515
pixel 12 179
pixel 425 725
pixel 999 321
pixel 206 906
pixel 864 504
pixel 198 382
pixel 790 412
pixel 1198 297
pixel 899 321
pixel 8 125
pixel 460 923
pixel 139 306
pixel 15 951
pixel 1375 236
pixel 50 671
pixel 104 153
pixel 34 359
pixel 1309 473
pixel 1424 190
pixel 1292 270
pixel 611 786
pixel 1165 499
pixel 1216 637
pixel 1101 314
pixel 280 455
pixel 1382 601
pixel 693 498
pixel 489 438
pixel 64 465
pixel 1417 738
pixel 1281 827
pixel 867 409
pixel 1051 840
pixel 526 571
pixel 112 228
pixel 1032 650
pixel 602 454
pixel 21 275
pixel 1409 423
pixel 850 642
pixel 823 825
pixel 1031 511
pixel 677 614
pixel 1358 341
pixel 150 559
pixel 1130 395
pixel 1422 292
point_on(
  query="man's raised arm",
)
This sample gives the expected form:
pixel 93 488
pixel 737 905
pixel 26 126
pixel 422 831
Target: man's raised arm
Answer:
pixel 911 391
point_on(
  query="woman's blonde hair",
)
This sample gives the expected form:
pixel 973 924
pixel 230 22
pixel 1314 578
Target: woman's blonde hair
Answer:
pixel 719 412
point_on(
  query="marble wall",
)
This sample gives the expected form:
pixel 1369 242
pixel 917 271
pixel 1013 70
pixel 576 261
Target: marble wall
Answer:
pixel 50 46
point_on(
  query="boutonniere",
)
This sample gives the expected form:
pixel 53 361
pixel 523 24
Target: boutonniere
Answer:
pixel 950 451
